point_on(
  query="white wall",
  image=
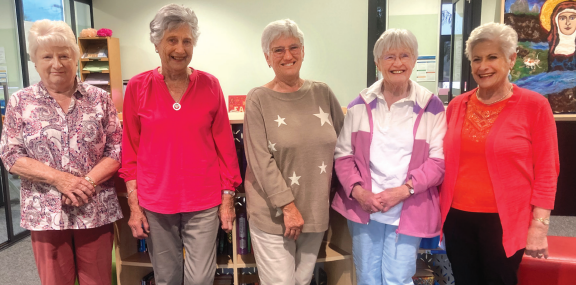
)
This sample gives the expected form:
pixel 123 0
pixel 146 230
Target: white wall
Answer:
pixel 335 39
pixel 491 10
pixel 422 18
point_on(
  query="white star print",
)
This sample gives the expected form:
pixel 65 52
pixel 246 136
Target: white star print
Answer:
pixel 322 168
pixel 271 146
pixel 294 179
pixel 323 117
pixel 280 121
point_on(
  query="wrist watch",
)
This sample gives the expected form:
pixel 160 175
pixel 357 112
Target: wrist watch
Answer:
pixel 229 192
pixel 410 188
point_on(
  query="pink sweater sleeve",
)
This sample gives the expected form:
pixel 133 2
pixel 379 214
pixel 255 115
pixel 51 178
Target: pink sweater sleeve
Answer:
pixel 545 157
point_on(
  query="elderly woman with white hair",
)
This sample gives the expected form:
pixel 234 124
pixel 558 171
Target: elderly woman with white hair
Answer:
pixel 290 132
pixel 179 160
pixel 502 167
pixel 390 162
pixel 62 137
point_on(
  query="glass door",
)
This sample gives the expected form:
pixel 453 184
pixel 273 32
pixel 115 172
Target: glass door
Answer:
pixel 11 80
pixel 457 48
pixel 466 16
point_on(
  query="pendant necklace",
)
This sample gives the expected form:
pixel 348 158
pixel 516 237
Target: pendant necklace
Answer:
pixel 177 106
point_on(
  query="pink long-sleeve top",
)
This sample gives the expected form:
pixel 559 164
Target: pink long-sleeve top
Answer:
pixel 181 159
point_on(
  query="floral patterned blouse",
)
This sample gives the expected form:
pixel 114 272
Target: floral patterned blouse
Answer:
pixel 35 126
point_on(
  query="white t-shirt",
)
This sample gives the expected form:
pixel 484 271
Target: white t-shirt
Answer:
pixel 391 150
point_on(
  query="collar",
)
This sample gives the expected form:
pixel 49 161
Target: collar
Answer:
pixel 42 92
pixel 375 91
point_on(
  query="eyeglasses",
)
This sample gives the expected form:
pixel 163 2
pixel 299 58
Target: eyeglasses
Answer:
pixel 404 57
pixel 280 51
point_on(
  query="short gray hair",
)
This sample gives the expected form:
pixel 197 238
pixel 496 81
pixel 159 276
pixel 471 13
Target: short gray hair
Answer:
pixel 395 39
pixel 501 33
pixel 45 33
pixel 170 17
pixel 276 29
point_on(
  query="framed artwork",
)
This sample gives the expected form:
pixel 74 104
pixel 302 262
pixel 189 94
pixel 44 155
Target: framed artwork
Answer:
pixel 546 61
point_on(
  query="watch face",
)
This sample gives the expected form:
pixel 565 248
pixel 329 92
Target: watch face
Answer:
pixel 411 191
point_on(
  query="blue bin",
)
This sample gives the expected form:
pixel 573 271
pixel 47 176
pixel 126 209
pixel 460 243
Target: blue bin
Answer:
pixel 3 107
pixel 430 243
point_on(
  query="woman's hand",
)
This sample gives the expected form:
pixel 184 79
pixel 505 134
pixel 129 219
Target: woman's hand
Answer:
pixel 369 202
pixel 226 212
pixel 68 202
pixel 392 197
pixel 77 189
pixel 293 221
pixel 537 243
pixel 138 222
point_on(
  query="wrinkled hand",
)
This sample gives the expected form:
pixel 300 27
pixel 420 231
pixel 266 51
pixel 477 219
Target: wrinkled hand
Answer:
pixel 537 243
pixel 138 223
pixel 368 201
pixel 68 202
pixel 293 221
pixel 392 197
pixel 226 212
pixel 77 189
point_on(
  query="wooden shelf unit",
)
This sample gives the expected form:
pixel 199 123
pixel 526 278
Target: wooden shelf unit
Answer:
pixel 132 265
pixel 114 66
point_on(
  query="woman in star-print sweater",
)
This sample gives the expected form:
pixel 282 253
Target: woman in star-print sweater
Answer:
pixel 290 130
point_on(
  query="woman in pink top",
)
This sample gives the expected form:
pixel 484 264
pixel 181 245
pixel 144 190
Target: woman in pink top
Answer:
pixel 179 159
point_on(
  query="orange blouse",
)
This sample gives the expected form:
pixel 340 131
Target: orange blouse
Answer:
pixel 473 190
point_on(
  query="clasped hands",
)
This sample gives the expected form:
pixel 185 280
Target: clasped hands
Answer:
pixel 76 190
pixel 381 202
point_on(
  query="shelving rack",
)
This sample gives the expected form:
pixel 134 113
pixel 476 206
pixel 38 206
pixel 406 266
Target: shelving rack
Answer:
pixel 132 265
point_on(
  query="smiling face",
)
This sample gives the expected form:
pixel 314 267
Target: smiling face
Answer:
pixel 489 65
pixel 396 66
pixel 285 57
pixel 175 49
pixel 567 22
pixel 56 67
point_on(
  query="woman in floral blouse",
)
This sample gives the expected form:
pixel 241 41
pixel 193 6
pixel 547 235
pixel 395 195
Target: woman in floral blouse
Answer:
pixel 63 137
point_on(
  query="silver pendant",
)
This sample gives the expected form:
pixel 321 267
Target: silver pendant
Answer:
pixel 177 106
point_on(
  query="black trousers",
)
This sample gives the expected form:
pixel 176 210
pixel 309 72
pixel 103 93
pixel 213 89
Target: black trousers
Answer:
pixel 474 248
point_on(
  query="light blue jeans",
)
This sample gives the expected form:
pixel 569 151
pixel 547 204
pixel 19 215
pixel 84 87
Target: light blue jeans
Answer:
pixel 380 257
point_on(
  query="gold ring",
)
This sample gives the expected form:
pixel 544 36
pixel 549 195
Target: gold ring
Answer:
pixel 540 254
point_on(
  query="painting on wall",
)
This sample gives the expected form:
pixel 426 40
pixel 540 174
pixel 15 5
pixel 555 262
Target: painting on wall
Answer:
pixel 546 61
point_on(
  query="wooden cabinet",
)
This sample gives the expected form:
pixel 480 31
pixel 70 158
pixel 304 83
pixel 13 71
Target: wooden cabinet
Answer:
pixel 89 48
pixel 132 265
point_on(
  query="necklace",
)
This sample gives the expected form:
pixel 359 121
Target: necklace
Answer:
pixel 501 98
pixel 176 106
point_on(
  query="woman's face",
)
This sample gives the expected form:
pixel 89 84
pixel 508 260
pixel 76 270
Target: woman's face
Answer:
pixel 56 66
pixel 396 66
pixel 175 49
pixel 567 22
pixel 286 56
pixel 489 65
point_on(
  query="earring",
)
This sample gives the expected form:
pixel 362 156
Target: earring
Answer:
pixel 156 51
pixel 269 66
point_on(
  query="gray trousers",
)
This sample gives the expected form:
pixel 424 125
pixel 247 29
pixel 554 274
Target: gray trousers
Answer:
pixel 170 233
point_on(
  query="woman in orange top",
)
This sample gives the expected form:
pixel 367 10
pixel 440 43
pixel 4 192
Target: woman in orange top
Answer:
pixel 501 154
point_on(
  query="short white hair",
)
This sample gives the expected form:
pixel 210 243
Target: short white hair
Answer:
pixel 395 39
pixel 277 29
pixel 47 33
pixel 503 34
pixel 171 17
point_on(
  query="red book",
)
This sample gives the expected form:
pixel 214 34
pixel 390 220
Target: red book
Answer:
pixel 236 103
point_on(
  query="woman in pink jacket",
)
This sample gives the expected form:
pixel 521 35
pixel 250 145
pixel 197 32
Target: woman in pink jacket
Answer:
pixel 389 159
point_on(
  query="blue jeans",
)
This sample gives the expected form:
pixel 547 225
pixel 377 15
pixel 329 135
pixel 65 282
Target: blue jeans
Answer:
pixel 381 256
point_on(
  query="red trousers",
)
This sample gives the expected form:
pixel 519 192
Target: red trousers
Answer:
pixel 63 255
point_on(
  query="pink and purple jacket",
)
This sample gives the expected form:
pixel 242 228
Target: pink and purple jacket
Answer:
pixel 420 216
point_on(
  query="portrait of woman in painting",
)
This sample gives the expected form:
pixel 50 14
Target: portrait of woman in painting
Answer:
pixel 562 38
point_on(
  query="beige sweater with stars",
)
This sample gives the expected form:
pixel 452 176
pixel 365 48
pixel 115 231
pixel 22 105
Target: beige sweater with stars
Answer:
pixel 289 140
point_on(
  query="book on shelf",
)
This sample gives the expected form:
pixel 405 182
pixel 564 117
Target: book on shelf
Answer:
pixel 236 103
